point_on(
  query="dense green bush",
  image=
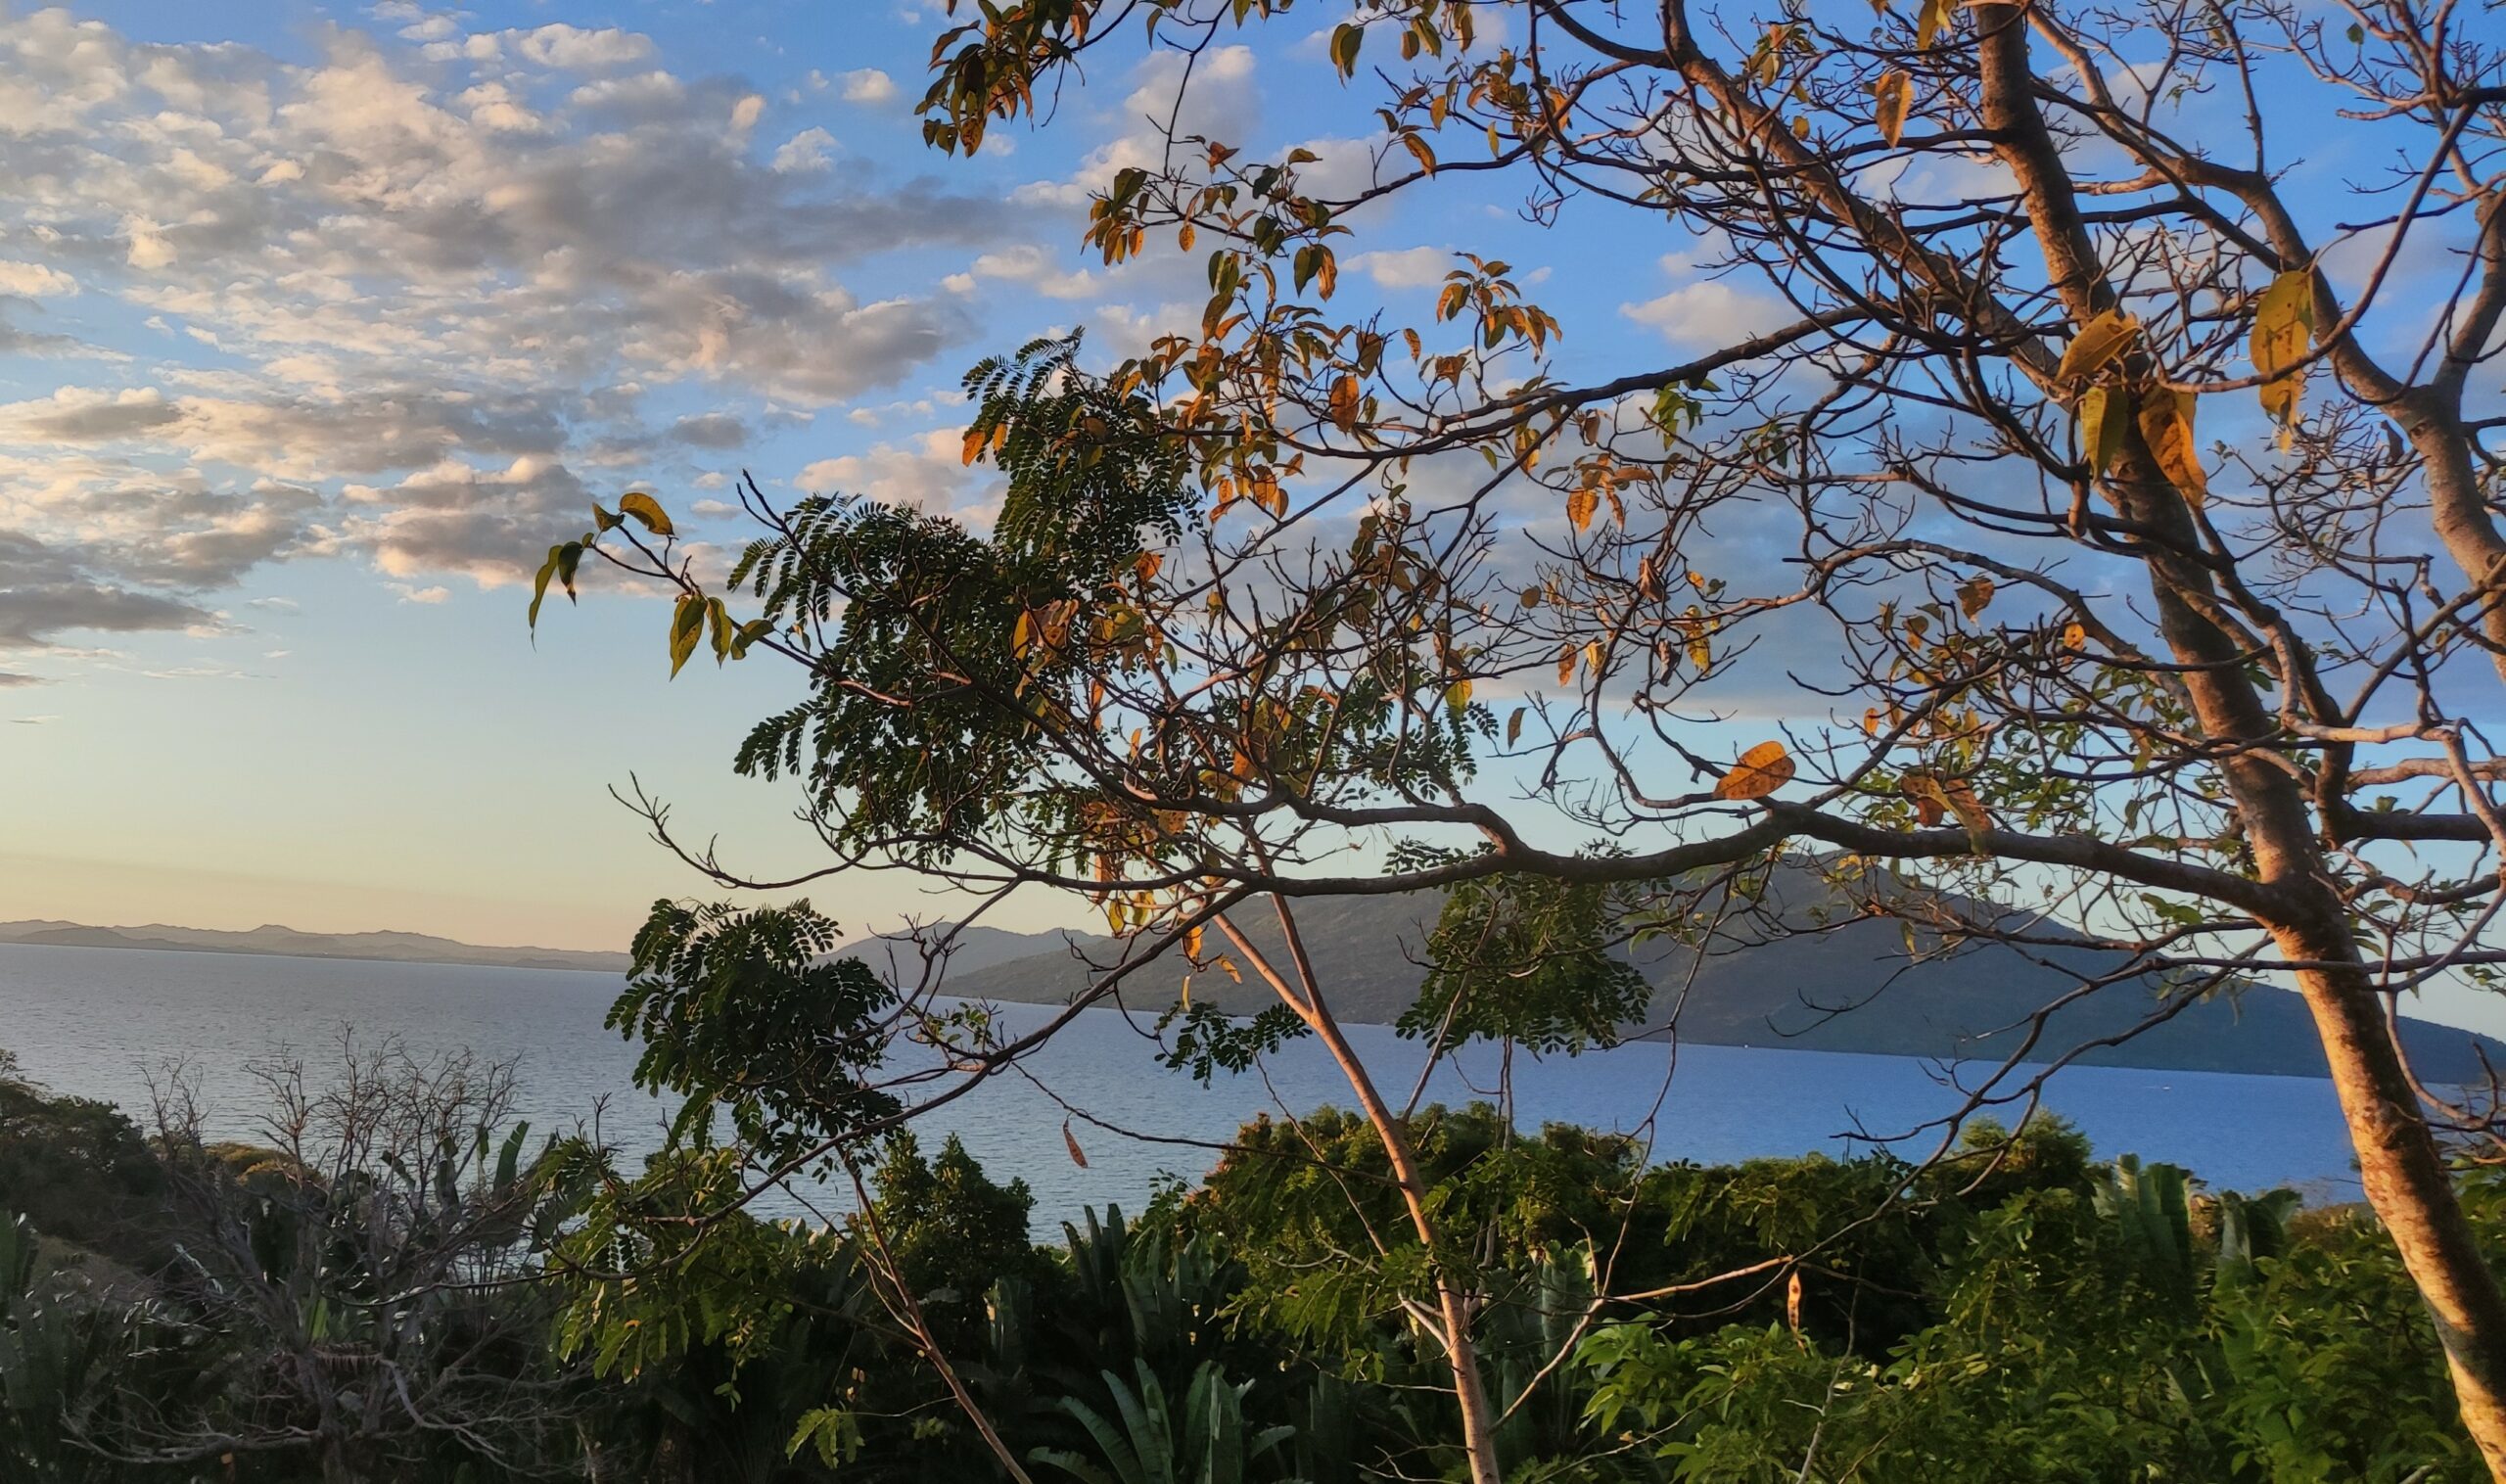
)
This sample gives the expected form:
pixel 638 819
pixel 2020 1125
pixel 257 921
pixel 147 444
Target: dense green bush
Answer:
pixel 2018 1314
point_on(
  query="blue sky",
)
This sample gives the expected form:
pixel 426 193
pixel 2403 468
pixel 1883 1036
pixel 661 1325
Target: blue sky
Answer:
pixel 316 324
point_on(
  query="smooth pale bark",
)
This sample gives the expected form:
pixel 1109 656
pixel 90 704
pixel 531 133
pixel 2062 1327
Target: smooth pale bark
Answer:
pixel 1454 1307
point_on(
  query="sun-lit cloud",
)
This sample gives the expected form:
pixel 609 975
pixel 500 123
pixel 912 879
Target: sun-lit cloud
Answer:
pixel 415 298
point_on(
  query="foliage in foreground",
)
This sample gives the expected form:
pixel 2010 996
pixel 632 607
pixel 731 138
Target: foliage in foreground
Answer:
pixel 2023 1312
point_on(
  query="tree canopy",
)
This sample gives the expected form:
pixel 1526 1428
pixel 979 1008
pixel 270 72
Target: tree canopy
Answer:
pixel 2110 494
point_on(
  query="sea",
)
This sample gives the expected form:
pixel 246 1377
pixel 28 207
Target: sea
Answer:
pixel 102 1022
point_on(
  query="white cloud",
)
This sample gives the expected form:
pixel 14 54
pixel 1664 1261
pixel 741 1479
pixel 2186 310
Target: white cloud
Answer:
pixel 805 151
pixel 575 49
pixel 869 85
pixel 929 473
pixel 1031 266
pixel 440 282
pixel 1708 312
pixel 1221 104
pixel 36 281
pixel 1404 267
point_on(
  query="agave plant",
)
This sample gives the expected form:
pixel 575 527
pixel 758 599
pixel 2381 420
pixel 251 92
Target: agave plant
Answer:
pixel 59 1356
pixel 1148 1441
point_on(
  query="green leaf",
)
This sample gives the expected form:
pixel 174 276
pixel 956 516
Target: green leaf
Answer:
pixel 1344 48
pixel 569 557
pixel 749 634
pixel 540 584
pixel 601 520
pixel 648 510
pixel 686 626
pixel 719 621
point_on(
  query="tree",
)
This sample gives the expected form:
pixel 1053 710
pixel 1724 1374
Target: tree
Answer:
pixel 2114 489
pixel 363 1285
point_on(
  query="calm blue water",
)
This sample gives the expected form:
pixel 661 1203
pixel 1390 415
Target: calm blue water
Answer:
pixel 93 1021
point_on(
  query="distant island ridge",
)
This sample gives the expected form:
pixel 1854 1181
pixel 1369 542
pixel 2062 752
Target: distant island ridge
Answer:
pixel 289 943
pixel 1841 988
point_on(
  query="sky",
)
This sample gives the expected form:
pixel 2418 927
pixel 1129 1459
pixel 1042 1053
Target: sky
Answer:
pixel 319 324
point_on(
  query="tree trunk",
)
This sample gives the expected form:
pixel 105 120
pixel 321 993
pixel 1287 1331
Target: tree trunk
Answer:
pixel 2405 1177
pixel 2399 1164
pixel 1454 1307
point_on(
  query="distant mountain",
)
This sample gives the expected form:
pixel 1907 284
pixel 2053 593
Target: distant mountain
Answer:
pixel 395 948
pixel 1848 988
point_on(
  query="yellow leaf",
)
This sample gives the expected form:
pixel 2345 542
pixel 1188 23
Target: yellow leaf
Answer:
pixel 2075 635
pixel 1593 654
pixel 2283 333
pixel 1761 770
pixel 1192 944
pixel 1974 596
pixel 2166 425
pixel 1580 507
pixel 2097 346
pixel 1930 21
pixel 1566 665
pixel 1457 695
pixel 976 438
pixel 2100 430
pixel 686 626
pixel 648 510
pixel 1892 92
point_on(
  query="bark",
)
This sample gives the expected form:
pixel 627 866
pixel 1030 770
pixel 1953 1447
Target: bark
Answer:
pixel 2399 1164
pixel 2431 417
pixel 2405 1178
pixel 1455 1309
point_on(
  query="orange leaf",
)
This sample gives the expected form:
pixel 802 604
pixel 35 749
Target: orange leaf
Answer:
pixel 1761 770
pixel 1344 403
pixel 1892 92
pixel 2166 425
